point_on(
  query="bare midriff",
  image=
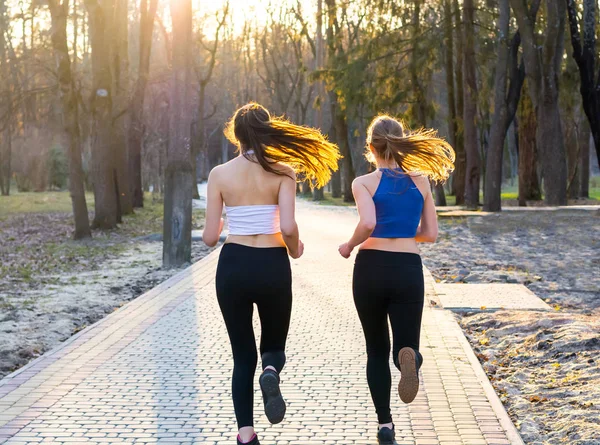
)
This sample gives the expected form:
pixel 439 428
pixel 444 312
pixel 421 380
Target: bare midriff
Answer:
pixel 274 240
pixel 408 245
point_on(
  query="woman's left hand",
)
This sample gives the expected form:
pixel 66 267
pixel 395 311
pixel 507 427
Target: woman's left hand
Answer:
pixel 345 250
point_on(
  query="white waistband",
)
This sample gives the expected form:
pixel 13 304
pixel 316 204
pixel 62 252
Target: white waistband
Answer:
pixel 253 219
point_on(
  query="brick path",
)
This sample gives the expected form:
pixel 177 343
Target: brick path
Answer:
pixel 157 371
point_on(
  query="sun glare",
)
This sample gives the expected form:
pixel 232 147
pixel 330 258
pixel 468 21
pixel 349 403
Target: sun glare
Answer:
pixel 257 12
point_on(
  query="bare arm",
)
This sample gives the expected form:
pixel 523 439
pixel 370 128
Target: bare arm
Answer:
pixel 367 221
pixel 287 216
pixel 213 225
pixel 428 229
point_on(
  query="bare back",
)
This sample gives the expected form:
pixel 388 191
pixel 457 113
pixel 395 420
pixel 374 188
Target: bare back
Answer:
pixel 241 182
pixel 247 183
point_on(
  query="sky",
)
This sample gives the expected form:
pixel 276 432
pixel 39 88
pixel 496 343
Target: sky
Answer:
pixel 240 10
pixel 256 9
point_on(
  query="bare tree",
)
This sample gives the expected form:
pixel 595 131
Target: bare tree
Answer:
pixel 459 176
pixel 120 66
pixel 449 68
pixel 5 110
pixel 470 108
pixel 177 226
pixel 199 146
pixel 318 194
pixel 542 64
pixel 136 110
pixel 336 58
pixel 101 108
pixel 508 81
pixel 586 56
pixel 584 161
pixel 493 169
pixel 280 73
pixel 529 187
pixel 70 115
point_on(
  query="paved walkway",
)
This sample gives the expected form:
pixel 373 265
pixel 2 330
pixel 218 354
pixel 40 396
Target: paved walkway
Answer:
pixel 157 370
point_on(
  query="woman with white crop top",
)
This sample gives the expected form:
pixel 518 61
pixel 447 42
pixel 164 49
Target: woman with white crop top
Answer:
pixel 258 190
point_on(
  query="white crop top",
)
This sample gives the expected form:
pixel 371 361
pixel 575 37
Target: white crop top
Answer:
pixel 253 219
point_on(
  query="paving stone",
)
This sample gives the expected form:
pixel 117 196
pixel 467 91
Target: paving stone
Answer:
pixel 158 370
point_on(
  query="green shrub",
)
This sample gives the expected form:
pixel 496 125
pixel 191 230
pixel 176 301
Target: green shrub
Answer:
pixel 58 168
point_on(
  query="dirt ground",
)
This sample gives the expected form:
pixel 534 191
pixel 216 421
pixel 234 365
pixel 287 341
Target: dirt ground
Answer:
pixel 543 365
pixel 52 287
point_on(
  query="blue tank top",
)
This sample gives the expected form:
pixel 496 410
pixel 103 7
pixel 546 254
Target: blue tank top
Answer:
pixel 398 204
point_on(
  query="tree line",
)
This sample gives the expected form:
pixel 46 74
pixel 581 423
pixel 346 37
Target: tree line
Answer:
pixel 120 97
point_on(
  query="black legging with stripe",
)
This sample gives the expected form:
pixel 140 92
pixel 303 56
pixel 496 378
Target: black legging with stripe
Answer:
pixel 387 284
pixel 248 276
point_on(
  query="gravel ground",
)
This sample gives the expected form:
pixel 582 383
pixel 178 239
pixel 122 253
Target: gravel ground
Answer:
pixel 543 365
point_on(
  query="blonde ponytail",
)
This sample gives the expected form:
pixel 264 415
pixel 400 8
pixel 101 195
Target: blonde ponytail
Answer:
pixel 420 151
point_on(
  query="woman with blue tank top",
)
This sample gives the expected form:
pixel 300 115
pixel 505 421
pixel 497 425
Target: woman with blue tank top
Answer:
pixel 258 190
pixel 397 211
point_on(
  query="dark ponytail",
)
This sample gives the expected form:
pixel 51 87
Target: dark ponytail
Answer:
pixel 274 139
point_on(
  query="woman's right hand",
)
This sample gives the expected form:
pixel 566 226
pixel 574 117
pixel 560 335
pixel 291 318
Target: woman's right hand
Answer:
pixel 299 251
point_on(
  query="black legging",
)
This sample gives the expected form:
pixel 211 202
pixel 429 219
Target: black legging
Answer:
pixel 248 276
pixel 387 284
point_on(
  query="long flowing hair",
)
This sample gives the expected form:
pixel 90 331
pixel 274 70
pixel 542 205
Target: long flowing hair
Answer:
pixel 271 140
pixel 420 151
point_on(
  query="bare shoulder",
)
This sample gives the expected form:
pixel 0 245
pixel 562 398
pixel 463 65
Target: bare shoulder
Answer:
pixel 370 181
pixel 365 180
pixel 285 170
pixel 216 172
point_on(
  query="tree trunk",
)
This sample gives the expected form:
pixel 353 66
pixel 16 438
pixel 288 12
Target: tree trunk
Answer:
pixel 419 105
pixel 101 107
pixel 586 57
pixel 572 122
pixel 338 118
pixel 347 167
pixel 542 71
pixel 584 161
pixel 460 165
pixel 177 226
pixel 439 194
pixel 199 148
pixel 449 59
pixel 512 172
pixel 529 188
pixel 6 159
pixel 493 170
pixel 136 126
pixel 336 177
pixel 6 139
pixel 470 109
pixel 120 58
pixel 224 149
pixel 305 189
pixel 554 163
pixel 318 193
pixel 70 116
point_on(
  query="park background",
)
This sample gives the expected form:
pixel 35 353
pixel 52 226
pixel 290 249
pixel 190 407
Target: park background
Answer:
pixel 110 111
